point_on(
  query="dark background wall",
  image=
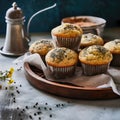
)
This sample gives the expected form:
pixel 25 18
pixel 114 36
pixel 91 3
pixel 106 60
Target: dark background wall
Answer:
pixel 44 22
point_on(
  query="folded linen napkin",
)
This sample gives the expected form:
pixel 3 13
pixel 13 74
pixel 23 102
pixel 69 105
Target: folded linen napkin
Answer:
pixel 111 79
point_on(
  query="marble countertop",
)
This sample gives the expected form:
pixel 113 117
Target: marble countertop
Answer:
pixel 24 102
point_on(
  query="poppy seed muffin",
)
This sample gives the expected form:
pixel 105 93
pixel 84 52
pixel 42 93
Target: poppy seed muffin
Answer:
pixel 90 39
pixel 67 35
pixel 95 59
pixel 41 47
pixel 114 48
pixel 61 61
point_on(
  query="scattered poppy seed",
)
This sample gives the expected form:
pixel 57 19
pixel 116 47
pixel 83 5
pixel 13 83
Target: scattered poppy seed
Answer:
pixel 39 118
pixel 19 114
pixel 21 111
pixel 20 85
pixel 50 115
pixel 39 113
pixel 38 108
pixel 50 108
pixel 30 116
pixel 35 114
pixel 63 104
pixel 18 92
pixel 57 105
pixel 26 107
pixel 34 106
pixel 46 103
pixel 45 108
pixel 17 108
pixel 12 94
pixel 36 103
pixel 6 88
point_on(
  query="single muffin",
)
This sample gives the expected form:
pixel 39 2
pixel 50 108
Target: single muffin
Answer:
pixel 95 59
pixel 114 48
pixel 41 47
pixel 67 35
pixel 90 39
pixel 61 61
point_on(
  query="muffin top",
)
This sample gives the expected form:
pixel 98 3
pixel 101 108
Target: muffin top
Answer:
pixel 61 57
pixel 113 46
pixel 91 39
pixel 67 30
pixel 95 55
pixel 41 46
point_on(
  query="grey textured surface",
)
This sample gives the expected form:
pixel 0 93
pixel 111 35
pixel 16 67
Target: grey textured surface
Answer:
pixel 60 108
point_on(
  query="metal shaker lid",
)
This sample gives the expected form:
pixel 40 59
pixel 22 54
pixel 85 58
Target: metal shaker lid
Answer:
pixel 14 12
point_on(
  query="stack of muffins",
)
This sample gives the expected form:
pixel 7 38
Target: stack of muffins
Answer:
pixel 62 58
pixel 95 59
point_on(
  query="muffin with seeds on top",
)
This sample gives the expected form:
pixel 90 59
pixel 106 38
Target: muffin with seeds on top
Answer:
pixel 114 47
pixel 67 35
pixel 90 39
pixel 95 59
pixel 61 62
pixel 41 47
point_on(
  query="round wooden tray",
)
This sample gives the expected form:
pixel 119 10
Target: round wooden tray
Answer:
pixel 37 79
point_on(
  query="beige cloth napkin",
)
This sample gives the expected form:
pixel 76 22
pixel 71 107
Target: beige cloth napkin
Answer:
pixel 111 79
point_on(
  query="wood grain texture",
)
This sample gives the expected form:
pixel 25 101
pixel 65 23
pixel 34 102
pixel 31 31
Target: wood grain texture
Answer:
pixel 36 78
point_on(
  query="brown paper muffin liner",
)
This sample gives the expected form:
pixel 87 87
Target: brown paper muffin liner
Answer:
pixel 94 69
pixel 71 43
pixel 62 72
pixel 116 60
